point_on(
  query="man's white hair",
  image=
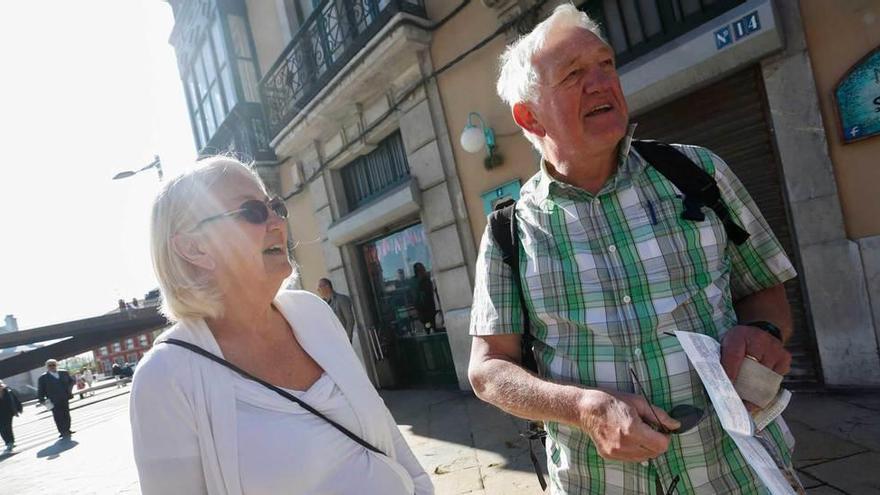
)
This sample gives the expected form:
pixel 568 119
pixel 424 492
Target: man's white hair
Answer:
pixel 517 77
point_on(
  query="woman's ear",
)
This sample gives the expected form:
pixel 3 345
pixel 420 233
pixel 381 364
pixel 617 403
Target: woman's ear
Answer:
pixel 189 247
pixel 525 118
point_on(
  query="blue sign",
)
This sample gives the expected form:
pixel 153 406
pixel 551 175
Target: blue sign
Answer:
pixel 723 37
pixel 738 30
pixel 747 25
pixel 496 196
pixel 858 99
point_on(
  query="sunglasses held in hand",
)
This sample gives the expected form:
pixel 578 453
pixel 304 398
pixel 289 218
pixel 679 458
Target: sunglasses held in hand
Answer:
pixel 689 416
pixel 252 211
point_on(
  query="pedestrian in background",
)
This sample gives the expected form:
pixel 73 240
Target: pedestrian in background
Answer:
pixel 57 386
pixel 255 389
pixel 10 407
pixel 340 303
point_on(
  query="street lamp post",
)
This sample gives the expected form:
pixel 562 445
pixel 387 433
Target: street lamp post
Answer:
pixel 156 163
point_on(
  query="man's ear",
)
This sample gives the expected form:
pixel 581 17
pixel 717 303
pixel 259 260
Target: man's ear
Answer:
pixel 189 247
pixel 525 118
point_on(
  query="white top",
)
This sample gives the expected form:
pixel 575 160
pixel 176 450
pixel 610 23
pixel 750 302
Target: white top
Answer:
pixel 185 415
pixel 274 434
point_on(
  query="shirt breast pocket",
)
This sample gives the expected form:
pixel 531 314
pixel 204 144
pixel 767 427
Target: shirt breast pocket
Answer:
pixel 691 244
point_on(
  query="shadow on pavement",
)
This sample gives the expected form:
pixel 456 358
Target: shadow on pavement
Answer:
pixel 53 451
pixel 456 422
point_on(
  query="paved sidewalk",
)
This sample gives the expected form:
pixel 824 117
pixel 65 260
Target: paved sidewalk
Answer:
pixel 467 446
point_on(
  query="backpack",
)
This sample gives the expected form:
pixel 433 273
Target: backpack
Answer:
pixel 699 189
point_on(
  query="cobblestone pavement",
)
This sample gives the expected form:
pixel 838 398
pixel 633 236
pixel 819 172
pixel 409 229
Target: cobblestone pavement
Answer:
pixel 467 446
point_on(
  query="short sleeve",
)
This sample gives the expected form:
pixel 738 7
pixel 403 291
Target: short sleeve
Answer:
pixel 760 262
pixel 496 306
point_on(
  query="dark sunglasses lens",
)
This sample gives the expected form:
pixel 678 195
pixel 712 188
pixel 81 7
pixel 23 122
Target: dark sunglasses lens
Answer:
pixel 689 417
pixel 277 205
pixel 254 211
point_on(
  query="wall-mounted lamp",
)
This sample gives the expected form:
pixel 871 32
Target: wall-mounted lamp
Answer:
pixel 474 138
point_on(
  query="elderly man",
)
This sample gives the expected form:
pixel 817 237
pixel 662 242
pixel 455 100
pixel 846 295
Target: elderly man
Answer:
pixel 57 386
pixel 340 303
pixel 607 268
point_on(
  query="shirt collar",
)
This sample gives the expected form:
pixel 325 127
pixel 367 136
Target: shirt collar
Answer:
pixel 628 165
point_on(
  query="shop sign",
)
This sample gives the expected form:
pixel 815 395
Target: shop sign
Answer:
pixel 858 99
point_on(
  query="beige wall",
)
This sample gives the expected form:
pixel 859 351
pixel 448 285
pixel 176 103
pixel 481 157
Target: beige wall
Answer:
pixel 266 30
pixel 837 38
pixel 304 231
pixel 469 86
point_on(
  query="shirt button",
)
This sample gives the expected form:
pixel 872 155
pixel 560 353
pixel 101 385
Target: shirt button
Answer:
pixel 637 351
pixel 612 248
pixel 627 299
pixel 646 463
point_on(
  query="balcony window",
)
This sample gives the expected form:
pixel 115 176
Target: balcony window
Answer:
pixel 117 347
pixel 327 38
pixel 635 27
pixel 142 340
pixel 210 89
pixel 104 350
pixel 129 343
pixel 370 175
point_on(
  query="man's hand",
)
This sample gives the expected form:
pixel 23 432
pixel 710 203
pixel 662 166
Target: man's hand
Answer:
pixel 767 349
pixel 619 424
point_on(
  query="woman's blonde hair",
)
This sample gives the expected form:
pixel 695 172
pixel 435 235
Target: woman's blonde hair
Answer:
pixel 187 292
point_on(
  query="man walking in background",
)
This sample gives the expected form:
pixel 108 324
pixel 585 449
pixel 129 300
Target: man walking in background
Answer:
pixel 340 303
pixel 57 386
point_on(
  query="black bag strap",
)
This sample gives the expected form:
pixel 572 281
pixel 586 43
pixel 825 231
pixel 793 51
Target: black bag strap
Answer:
pixel 502 225
pixel 699 188
pixel 282 393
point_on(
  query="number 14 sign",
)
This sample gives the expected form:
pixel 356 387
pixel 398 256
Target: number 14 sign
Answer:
pixel 737 30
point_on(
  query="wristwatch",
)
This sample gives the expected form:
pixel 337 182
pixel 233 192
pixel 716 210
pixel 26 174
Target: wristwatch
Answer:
pixel 767 327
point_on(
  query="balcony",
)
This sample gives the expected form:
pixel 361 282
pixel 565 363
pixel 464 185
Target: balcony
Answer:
pixel 635 27
pixel 332 35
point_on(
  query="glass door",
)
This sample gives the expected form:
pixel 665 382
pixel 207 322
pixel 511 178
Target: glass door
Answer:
pixel 406 308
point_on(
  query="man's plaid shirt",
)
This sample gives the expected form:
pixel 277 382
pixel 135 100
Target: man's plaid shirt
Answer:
pixel 606 277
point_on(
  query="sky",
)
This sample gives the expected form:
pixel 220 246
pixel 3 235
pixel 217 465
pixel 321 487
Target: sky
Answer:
pixel 87 89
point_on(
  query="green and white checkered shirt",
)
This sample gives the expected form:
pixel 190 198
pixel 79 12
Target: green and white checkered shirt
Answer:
pixel 606 277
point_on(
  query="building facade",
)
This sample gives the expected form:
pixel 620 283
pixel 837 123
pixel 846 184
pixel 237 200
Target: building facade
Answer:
pixel 352 111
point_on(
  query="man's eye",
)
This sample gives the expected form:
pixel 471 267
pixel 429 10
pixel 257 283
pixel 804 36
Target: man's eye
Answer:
pixel 607 63
pixel 573 75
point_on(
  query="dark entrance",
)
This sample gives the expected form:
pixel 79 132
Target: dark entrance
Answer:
pixel 409 319
pixel 730 118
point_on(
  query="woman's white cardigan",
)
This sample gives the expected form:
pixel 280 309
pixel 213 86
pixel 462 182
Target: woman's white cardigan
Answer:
pixel 183 408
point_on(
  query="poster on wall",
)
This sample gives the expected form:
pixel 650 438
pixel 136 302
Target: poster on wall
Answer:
pixel 858 99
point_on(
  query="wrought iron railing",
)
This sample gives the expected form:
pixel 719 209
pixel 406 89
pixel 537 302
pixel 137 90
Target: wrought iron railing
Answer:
pixel 379 170
pixel 635 27
pixel 334 32
pixel 242 133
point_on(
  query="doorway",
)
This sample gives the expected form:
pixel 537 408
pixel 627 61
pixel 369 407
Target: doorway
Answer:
pixel 408 315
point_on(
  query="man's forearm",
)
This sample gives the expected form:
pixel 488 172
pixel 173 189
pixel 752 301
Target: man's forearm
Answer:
pixel 508 386
pixel 767 305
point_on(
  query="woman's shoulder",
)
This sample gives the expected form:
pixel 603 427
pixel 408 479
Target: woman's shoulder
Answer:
pixel 163 363
pixel 300 298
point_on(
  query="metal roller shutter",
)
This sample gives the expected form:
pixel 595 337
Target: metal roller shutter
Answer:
pixel 730 118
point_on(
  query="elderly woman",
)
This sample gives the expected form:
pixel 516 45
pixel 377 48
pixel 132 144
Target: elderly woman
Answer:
pixel 254 389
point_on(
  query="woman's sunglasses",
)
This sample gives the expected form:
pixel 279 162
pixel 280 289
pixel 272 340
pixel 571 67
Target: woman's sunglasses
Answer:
pixel 252 211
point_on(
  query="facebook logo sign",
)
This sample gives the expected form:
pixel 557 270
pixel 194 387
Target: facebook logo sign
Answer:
pixel 723 37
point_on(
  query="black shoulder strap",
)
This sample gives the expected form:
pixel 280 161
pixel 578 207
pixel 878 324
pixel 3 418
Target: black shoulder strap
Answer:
pixel 282 393
pixel 502 224
pixel 699 188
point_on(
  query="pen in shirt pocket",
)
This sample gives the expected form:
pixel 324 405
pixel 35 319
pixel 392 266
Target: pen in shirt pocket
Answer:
pixel 651 212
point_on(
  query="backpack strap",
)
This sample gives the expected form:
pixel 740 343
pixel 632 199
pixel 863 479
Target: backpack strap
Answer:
pixel 699 188
pixel 502 225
